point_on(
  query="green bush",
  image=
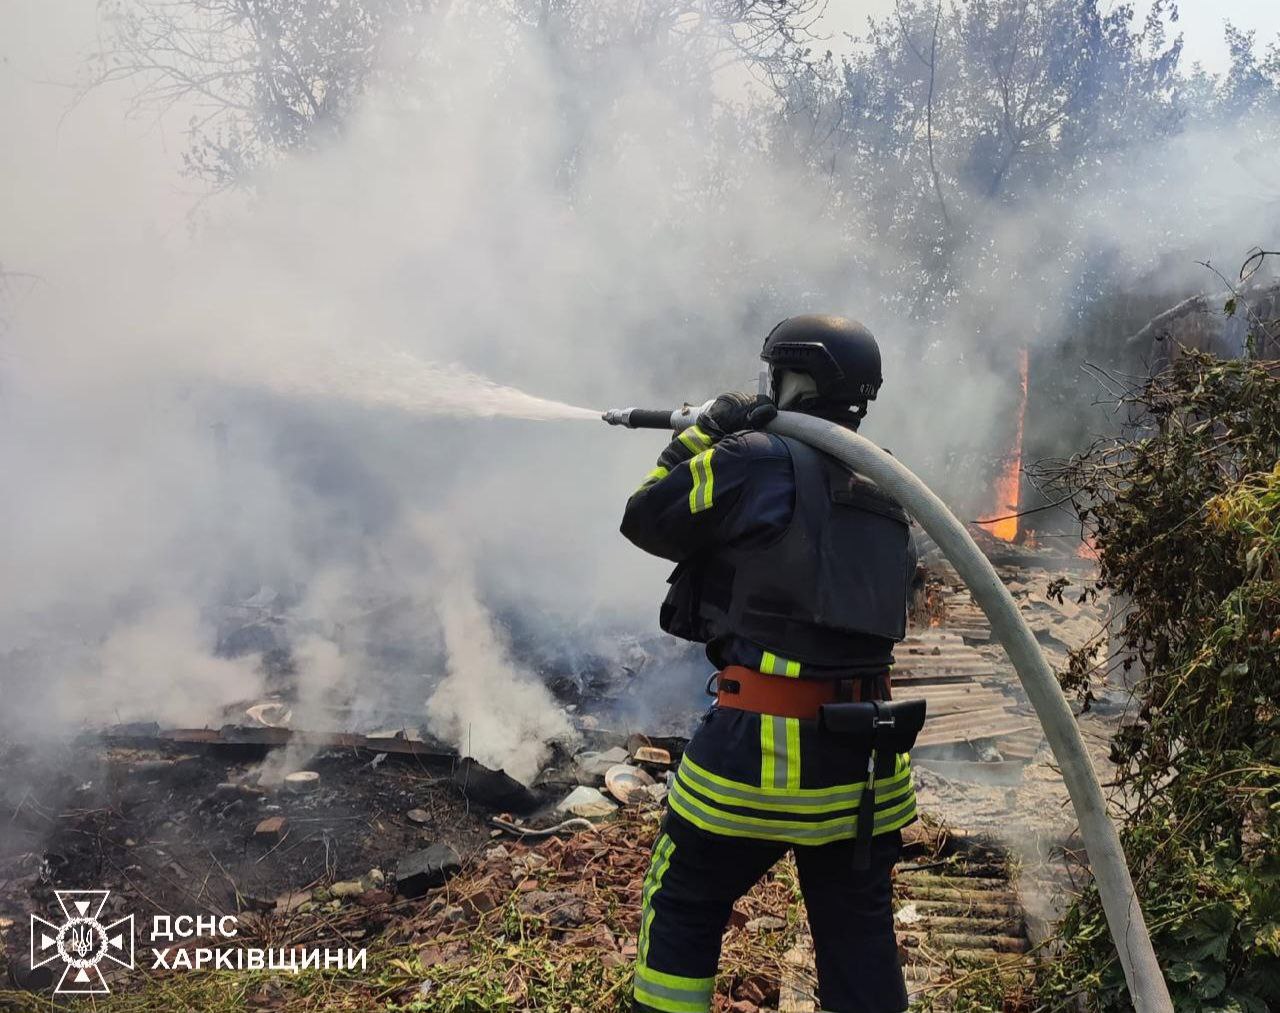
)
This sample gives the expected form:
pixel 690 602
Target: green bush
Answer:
pixel 1185 514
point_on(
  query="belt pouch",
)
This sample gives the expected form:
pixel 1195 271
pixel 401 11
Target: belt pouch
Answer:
pixel 884 729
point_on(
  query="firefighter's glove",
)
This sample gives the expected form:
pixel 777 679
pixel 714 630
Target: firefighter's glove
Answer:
pixel 729 413
pixel 734 412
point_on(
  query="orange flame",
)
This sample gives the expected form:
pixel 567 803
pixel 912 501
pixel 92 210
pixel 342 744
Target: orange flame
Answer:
pixel 1008 486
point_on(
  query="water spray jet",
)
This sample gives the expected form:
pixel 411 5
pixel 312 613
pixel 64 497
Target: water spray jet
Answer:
pixel 1128 927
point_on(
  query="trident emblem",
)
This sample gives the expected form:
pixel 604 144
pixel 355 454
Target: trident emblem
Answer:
pixel 81 942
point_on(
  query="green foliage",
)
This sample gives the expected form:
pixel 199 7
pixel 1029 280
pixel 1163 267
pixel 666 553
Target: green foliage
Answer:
pixel 1185 513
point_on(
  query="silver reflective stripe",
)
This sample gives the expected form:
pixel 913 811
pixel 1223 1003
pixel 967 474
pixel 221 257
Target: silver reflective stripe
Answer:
pixel 700 495
pixel 771 664
pixel 695 439
pixel 781 759
pixel 652 882
pixel 766 829
pixel 840 800
pixel 775 807
pixel 645 983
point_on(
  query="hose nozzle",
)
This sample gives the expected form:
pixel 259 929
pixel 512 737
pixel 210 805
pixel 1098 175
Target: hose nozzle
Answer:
pixel 618 417
pixel 654 418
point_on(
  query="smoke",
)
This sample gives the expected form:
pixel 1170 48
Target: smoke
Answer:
pixel 138 656
pixel 205 396
pixel 498 710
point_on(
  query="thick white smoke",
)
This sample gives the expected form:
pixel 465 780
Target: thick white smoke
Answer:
pixel 488 701
pixel 205 396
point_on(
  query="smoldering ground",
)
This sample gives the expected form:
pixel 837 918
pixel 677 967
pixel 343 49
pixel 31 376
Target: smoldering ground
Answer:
pixel 317 392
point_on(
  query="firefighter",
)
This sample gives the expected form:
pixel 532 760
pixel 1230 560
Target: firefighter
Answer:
pixel 794 573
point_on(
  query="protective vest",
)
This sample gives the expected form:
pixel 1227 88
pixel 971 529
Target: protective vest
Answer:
pixel 831 591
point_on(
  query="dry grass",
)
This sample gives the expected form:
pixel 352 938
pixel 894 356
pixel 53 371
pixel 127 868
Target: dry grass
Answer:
pixel 555 931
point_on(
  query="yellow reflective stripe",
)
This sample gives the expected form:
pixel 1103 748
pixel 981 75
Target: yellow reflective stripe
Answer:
pixel 716 822
pixel 652 882
pixel 657 475
pixel 797 829
pixel 669 993
pixel 676 980
pixel 647 996
pixel 703 482
pixel 898 823
pixel 771 664
pixel 746 797
pixel 907 804
pixel 845 821
pixel 767 755
pixel 889 794
pixel 765 796
pixel 672 992
pixel 695 439
pixel 847 800
pixel 793 753
pixel 781 756
pixel 823 832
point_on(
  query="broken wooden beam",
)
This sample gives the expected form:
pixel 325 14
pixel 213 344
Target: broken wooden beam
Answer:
pixel 238 735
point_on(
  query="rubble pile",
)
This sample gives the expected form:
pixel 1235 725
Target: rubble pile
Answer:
pixel 982 756
pixel 982 765
pixel 574 904
pixel 385 855
pixel 552 923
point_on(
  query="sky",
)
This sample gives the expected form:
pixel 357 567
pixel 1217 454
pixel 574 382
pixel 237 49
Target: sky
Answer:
pixel 1200 22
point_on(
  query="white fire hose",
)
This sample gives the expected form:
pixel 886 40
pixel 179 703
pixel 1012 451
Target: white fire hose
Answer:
pixel 1106 856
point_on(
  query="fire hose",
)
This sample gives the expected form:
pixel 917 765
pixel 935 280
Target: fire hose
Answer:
pixel 1146 984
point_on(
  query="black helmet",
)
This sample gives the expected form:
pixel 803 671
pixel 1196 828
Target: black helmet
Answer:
pixel 839 355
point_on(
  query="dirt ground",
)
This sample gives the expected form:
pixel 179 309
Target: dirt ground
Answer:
pixel 171 831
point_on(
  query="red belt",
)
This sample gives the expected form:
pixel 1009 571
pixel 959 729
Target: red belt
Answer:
pixel 789 697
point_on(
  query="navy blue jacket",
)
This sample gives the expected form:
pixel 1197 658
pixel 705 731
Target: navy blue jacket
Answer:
pixel 704 494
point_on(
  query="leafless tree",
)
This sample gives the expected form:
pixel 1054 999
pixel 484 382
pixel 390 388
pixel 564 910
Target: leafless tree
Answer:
pixel 265 77
pixel 260 76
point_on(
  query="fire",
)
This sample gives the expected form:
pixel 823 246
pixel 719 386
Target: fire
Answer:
pixel 1008 486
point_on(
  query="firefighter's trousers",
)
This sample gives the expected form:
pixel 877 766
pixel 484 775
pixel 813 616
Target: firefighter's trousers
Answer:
pixel 693 880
